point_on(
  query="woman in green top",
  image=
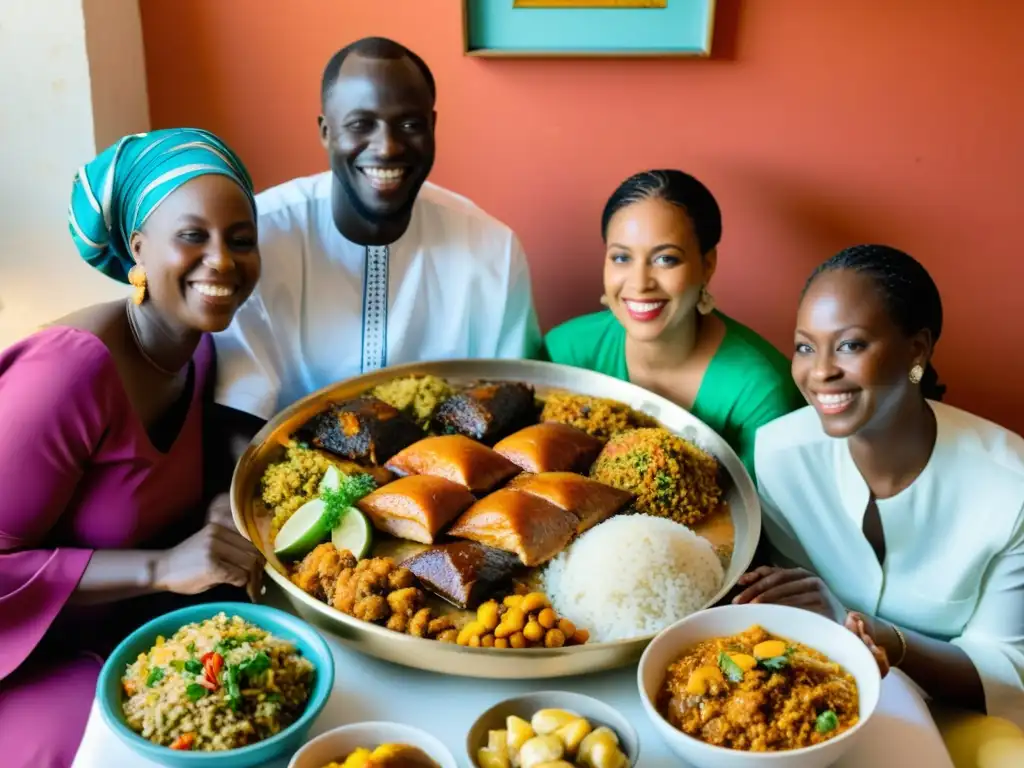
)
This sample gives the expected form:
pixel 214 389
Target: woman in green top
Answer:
pixel 661 331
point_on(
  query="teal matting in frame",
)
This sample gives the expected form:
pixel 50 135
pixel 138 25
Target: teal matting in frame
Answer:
pixel 499 28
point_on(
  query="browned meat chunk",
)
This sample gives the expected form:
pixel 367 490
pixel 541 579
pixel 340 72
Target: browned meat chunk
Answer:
pixel 488 412
pixel 417 507
pixel 590 501
pixel 531 527
pixel 456 458
pixel 550 447
pixel 464 572
pixel 365 430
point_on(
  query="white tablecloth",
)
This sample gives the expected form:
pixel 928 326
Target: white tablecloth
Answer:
pixel 901 732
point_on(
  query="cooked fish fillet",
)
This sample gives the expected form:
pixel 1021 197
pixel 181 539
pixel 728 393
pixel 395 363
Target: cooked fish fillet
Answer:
pixel 364 429
pixel 488 412
pixel 416 508
pixel 534 529
pixel 589 501
pixel 464 573
pixel 455 458
pixel 550 447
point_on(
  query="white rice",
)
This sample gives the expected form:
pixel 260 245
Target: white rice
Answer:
pixel 631 576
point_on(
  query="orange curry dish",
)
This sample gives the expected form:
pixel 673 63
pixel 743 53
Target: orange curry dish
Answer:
pixel 758 693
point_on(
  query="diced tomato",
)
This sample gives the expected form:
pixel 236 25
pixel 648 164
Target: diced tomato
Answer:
pixel 206 683
pixel 185 741
pixel 213 663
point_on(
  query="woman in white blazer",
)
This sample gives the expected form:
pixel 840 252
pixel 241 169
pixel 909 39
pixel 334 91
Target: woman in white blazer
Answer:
pixel 889 511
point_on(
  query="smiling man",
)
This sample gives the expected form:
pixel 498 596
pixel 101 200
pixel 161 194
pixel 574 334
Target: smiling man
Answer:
pixel 369 264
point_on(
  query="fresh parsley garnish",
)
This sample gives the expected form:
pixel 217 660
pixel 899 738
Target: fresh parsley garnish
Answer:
pixel 191 648
pixel 227 644
pixel 195 692
pixel 776 663
pixel 350 490
pixel 826 722
pixel 178 665
pixel 156 674
pixel 233 689
pixel 732 670
pixel 255 666
pixel 194 666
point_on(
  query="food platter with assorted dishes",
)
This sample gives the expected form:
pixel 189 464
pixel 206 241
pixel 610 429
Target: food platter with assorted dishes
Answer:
pixel 496 519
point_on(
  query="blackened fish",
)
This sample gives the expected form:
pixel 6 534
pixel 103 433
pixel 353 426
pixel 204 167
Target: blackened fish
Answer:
pixel 464 573
pixel 365 430
pixel 488 412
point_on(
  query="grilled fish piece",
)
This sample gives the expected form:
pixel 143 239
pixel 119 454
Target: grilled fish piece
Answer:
pixel 464 573
pixel 488 412
pixel 550 447
pixel 416 508
pixel 365 430
pixel 590 501
pixel 531 527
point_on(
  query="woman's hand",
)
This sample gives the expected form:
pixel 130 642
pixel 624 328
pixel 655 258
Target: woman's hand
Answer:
pixel 790 586
pixel 216 555
pixel 864 628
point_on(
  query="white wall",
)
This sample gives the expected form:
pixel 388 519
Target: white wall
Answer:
pixel 72 80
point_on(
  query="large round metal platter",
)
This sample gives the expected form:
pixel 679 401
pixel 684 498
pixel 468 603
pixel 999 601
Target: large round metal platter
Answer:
pixel 253 521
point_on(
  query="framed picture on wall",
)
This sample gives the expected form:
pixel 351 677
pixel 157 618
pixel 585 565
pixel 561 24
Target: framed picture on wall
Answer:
pixel 587 28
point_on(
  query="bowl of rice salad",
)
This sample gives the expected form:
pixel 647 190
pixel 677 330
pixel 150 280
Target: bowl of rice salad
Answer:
pixel 230 685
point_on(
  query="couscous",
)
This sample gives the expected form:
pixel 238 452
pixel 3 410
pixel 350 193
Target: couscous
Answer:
pixel 288 484
pixel 596 416
pixel 670 476
pixel 416 396
pixel 216 685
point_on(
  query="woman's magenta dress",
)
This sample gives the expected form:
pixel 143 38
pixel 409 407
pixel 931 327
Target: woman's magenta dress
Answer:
pixel 78 473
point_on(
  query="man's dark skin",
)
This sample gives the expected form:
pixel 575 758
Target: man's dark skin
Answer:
pixel 379 117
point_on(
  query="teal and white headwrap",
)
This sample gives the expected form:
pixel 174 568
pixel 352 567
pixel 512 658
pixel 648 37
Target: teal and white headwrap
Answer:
pixel 114 194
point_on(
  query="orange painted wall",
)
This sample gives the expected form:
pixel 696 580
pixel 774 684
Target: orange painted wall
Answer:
pixel 817 124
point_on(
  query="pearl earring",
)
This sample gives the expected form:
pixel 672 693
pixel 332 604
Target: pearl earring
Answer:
pixel 916 374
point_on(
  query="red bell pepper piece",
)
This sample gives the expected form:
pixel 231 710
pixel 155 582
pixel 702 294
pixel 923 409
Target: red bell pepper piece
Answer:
pixel 184 742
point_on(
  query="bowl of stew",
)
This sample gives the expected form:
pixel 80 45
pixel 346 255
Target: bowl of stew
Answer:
pixel 740 686
pixel 383 744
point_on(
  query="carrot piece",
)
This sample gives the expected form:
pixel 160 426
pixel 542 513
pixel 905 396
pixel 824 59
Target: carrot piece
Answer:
pixel 184 742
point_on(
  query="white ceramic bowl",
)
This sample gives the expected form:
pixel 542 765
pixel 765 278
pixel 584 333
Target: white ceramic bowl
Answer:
pixel 595 711
pixel 810 629
pixel 339 743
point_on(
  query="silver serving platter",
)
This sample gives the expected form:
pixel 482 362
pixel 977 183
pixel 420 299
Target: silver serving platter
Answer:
pixel 452 659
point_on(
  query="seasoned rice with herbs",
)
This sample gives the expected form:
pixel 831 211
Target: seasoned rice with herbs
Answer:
pixel 216 685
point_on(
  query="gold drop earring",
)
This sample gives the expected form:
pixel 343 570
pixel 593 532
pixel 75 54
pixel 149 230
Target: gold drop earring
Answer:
pixel 137 279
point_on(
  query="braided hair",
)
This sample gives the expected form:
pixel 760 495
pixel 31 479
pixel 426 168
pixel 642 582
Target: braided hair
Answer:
pixel 680 189
pixel 911 296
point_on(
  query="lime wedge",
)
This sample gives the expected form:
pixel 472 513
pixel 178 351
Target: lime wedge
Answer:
pixel 331 480
pixel 353 533
pixel 303 530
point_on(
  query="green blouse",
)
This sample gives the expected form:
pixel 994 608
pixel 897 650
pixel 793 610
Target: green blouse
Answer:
pixel 747 383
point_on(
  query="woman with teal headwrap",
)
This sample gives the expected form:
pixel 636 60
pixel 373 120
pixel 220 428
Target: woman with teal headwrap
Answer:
pixel 102 447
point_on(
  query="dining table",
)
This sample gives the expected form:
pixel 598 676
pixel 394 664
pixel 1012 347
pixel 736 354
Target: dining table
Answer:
pixel 901 732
